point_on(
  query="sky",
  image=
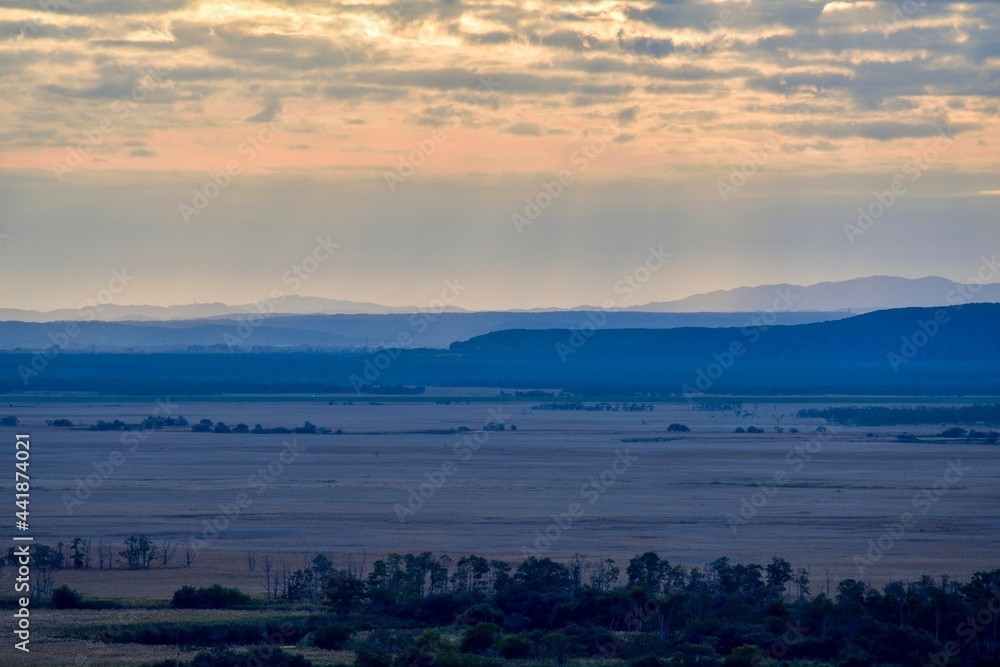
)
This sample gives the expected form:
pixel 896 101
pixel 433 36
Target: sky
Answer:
pixel 535 153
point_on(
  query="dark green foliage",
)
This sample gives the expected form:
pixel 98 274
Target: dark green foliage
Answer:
pixel 479 638
pixel 202 633
pixel 454 659
pixel 332 636
pixel 747 655
pixel 9 421
pixel 151 423
pixel 65 597
pixel 882 416
pixel 213 597
pixel 513 646
pixel 729 613
pixel 264 655
pixel 482 613
pixel 678 428
pixel 373 656
pixel 648 661
pixel 344 592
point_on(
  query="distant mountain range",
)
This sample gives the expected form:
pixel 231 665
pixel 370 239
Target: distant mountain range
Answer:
pixel 859 295
pixel 289 305
pixel 911 351
pixel 340 332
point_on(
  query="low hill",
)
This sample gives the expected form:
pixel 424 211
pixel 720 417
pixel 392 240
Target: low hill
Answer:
pixel 942 351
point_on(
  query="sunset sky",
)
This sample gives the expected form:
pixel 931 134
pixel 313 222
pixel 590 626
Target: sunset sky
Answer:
pixel 411 135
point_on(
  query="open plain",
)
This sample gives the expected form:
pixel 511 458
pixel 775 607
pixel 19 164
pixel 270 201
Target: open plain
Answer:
pixel 600 484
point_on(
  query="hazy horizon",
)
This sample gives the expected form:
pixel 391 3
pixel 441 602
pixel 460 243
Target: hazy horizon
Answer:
pixel 596 304
pixel 534 155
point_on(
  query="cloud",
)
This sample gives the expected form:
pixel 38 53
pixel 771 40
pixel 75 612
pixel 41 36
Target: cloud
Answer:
pixel 524 129
pixel 880 130
pixel 101 7
pixel 268 114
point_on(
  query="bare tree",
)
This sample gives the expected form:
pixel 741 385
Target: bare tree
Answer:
pixel 105 555
pixel 189 555
pixel 251 561
pixel 267 575
pixel 167 551
pixel 285 575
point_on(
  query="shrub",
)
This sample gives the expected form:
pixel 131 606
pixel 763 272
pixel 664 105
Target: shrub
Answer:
pixel 646 661
pixel 747 655
pixel 213 597
pixel 452 659
pixel 482 613
pixel 332 636
pixel 65 597
pixel 266 655
pixel 513 646
pixel 479 637
pixel 678 428
pixel 372 656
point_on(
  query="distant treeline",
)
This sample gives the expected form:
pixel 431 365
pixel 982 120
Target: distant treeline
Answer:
pixel 871 354
pixel 595 407
pixel 419 609
pixel 882 416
